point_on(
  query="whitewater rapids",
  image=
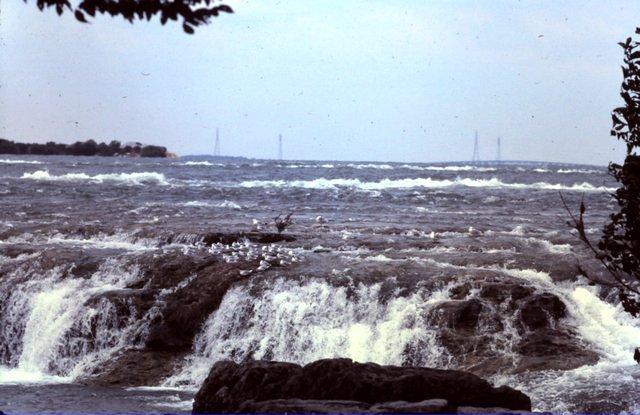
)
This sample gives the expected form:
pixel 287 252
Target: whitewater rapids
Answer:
pixel 443 265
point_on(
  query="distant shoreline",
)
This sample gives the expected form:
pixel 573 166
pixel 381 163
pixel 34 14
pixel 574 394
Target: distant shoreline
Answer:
pixel 84 148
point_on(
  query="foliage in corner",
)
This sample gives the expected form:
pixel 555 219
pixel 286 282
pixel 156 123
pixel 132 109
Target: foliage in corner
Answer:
pixel 192 13
pixel 619 245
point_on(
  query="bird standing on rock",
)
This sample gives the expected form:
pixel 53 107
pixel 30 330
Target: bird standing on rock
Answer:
pixel 282 223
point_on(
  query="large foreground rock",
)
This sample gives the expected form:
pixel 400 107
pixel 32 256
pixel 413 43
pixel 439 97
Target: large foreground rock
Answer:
pixel 341 385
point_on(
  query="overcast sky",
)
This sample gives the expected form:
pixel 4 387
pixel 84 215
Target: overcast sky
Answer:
pixel 341 80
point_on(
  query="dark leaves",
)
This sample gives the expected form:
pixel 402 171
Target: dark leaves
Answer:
pixel 188 29
pixel 80 16
pixel 619 246
pixel 192 13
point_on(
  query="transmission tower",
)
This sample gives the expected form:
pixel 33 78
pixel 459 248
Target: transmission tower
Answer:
pixel 498 153
pixel 476 151
pixel 280 147
pixel 216 148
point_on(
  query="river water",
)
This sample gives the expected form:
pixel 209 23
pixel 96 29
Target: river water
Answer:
pixel 410 264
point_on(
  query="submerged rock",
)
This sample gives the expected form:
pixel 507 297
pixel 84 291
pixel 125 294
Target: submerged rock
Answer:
pixel 341 385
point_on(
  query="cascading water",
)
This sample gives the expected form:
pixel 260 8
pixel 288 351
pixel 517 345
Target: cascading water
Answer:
pixel 302 321
pixel 610 331
pixel 51 330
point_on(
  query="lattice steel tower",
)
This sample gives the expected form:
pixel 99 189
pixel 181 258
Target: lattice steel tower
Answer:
pixel 476 151
pixel 216 148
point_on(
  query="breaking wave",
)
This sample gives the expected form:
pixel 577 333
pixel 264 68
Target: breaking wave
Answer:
pixel 227 204
pixel 451 168
pixel 201 163
pixel 126 178
pixel 371 166
pixel 323 183
pixel 578 171
pixel 9 161
pixel 383 166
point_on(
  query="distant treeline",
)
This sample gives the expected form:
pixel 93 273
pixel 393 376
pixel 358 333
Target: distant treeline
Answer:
pixel 82 148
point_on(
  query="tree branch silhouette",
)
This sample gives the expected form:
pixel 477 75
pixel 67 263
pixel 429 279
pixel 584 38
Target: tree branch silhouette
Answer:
pixel 192 13
pixel 619 246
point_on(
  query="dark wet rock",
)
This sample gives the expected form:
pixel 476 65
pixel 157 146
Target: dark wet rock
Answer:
pixel 302 406
pixel 173 297
pixel 124 300
pixel 229 385
pixel 459 292
pixel 186 309
pixel 316 406
pixel 229 238
pixel 468 329
pixel 477 410
pixel 78 263
pixel 14 251
pixel 542 311
pixel 553 350
pixel 135 367
pixel 498 292
pixel 459 315
pixel 428 406
pixel 168 270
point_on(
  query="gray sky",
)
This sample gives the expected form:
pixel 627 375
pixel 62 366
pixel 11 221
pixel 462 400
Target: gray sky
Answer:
pixel 343 80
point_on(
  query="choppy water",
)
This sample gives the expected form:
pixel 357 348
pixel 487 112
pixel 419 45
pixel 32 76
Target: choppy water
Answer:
pixel 398 242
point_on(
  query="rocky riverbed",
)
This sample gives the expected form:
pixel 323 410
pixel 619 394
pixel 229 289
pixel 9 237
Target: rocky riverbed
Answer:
pixel 119 274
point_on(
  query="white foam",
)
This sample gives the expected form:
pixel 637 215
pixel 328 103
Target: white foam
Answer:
pixel 53 334
pixel 104 241
pixel 517 231
pixel 560 249
pixel 201 163
pixel 305 321
pixel 198 163
pixel 615 332
pixel 530 275
pixel 370 166
pixel 12 375
pixel 580 171
pixel 607 329
pixel 227 204
pixel 307 166
pixel 11 161
pixel 323 183
pixel 126 178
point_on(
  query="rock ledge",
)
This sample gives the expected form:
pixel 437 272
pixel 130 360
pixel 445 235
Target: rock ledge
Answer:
pixel 343 386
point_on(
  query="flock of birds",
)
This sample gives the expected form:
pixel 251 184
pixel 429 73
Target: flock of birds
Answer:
pixel 271 255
